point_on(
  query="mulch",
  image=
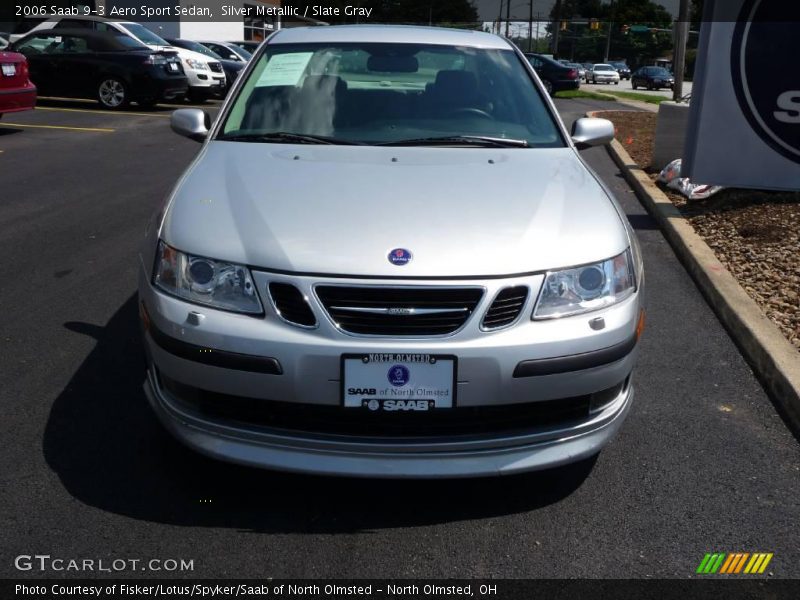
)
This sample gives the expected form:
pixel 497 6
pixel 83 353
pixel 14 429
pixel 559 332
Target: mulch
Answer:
pixel 755 234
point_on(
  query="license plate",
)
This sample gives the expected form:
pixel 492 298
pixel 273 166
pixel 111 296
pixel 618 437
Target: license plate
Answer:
pixel 173 67
pixel 9 70
pixel 398 382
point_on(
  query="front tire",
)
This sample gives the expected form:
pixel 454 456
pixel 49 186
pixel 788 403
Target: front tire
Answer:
pixel 112 93
pixel 634 86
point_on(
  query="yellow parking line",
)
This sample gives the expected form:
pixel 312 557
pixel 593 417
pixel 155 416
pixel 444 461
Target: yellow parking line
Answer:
pixel 100 130
pixel 102 112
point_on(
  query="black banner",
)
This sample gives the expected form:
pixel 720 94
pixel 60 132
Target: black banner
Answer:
pixel 733 588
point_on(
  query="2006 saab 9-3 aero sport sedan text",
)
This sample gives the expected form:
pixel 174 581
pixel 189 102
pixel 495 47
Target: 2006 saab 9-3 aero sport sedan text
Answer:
pixel 388 259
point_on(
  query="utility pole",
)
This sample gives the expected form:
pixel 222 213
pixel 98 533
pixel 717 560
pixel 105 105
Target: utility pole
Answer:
pixel 508 15
pixel 679 53
pixel 530 28
pixel 557 27
pixel 608 37
pixel 500 18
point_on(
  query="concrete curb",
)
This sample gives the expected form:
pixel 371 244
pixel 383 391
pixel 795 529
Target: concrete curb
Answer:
pixel 774 360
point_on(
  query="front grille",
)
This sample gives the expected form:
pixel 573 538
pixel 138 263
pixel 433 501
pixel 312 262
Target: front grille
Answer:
pixel 216 67
pixel 291 304
pixel 506 307
pixel 396 311
pixel 314 419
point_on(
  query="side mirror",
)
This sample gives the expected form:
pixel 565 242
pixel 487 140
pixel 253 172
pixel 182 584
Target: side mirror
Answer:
pixel 588 132
pixel 192 123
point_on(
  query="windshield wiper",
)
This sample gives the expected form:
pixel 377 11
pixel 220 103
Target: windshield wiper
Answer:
pixel 472 140
pixel 287 138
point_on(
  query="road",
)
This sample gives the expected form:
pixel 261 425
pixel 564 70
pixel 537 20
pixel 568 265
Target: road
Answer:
pixel 703 463
pixel 625 86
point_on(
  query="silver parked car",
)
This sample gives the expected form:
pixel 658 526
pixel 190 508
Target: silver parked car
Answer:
pixel 389 260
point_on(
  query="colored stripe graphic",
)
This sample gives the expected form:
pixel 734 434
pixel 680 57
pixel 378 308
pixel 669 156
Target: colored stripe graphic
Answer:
pixel 729 563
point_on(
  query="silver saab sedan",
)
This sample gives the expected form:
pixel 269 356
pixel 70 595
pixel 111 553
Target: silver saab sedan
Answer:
pixel 389 260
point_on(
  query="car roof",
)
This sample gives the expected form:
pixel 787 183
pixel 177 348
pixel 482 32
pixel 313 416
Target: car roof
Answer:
pixel 377 34
pixel 111 38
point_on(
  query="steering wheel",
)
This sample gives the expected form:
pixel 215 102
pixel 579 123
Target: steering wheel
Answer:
pixel 476 112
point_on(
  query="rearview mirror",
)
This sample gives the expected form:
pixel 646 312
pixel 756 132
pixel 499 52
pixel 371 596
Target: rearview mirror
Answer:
pixel 192 123
pixel 588 132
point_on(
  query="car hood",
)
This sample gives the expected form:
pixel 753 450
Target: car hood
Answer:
pixel 184 53
pixel 340 210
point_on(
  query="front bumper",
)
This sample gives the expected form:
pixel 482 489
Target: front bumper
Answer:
pixel 356 458
pixel 160 87
pixel 527 365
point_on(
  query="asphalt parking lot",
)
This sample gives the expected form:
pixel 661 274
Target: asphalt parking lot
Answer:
pixel 703 463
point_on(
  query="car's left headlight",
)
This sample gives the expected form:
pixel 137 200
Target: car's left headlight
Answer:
pixel 201 280
pixel 587 288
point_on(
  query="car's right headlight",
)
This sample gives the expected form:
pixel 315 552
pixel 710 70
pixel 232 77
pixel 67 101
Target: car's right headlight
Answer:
pixel 197 65
pixel 587 288
pixel 206 281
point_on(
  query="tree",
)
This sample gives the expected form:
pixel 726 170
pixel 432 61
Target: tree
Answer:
pixel 582 44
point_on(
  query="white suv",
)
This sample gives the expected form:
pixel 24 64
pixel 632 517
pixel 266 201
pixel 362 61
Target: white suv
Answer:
pixel 206 76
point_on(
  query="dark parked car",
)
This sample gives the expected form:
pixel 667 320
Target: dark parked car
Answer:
pixel 232 68
pixel 250 45
pixel 228 50
pixel 17 93
pixel 652 78
pixel 554 75
pixel 114 69
pixel 623 70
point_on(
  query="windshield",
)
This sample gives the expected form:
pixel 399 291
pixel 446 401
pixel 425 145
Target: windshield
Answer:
pixel 659 72
pixel 144 35
pixel 603 68
pixel 388 93
pixel 197 47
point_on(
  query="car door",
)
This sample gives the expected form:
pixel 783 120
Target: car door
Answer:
pixel 75 65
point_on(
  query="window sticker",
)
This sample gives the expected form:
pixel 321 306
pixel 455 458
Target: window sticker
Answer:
pixel 284 69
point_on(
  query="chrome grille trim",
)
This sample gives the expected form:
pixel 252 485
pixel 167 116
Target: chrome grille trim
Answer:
pixel 277 294
pixel 506 308
pixel 408 311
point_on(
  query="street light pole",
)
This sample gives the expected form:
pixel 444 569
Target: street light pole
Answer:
pixel 679 54
pixel 608 37
pixel 508 16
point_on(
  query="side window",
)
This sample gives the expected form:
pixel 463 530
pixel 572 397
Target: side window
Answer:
pixel 37 45
pixel 71 45
pixel 99 26
pixel 74 24
pixel 537 64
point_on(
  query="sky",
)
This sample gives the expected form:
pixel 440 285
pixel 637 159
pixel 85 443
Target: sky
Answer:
pixel 490 9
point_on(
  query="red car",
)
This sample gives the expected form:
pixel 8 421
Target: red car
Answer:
pixel 17 92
